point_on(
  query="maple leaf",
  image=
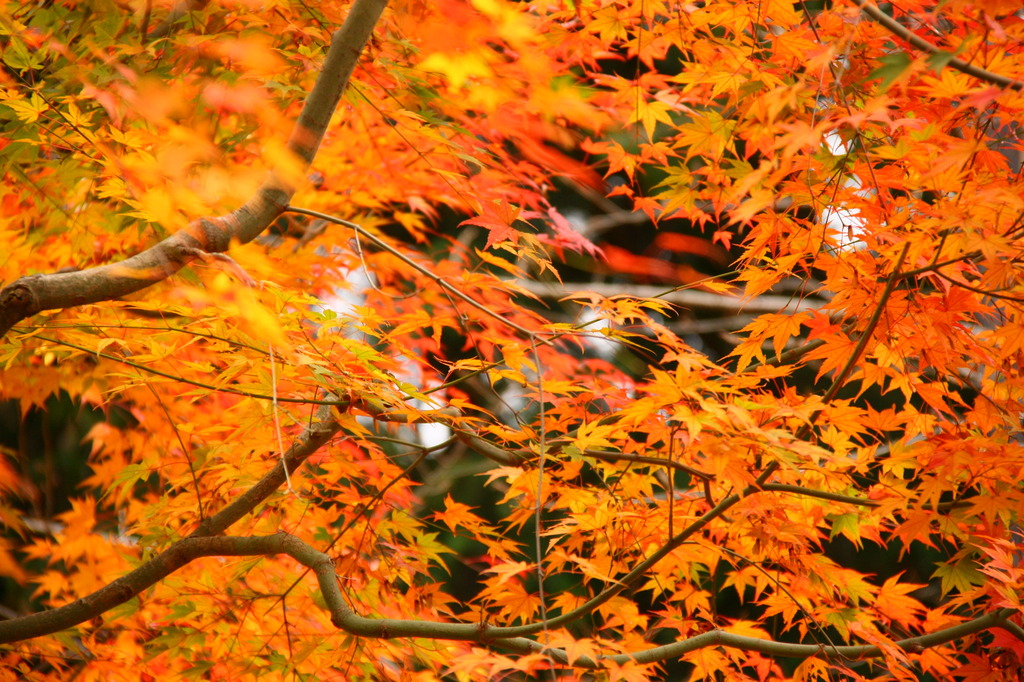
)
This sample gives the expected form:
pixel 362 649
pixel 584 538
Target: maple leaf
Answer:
pixel 895 605
pixel 508 571
pixel 498 218
pixel 568 236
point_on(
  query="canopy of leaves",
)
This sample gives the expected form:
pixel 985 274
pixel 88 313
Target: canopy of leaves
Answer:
pixel 357 385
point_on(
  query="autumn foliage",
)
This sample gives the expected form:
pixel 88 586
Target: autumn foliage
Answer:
pixel 375 395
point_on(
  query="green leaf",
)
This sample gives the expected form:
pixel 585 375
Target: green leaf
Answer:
pixel 847 525
pixel 893 66
pixel 939 59
pixel 197 669
pixel 961 575
pixel 19 58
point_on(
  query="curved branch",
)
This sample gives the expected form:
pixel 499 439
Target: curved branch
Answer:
pixel 204 542
pixel 633 576
pixel 312 439
pixel 343 617
pixel 901 31
pixel 35 293
pixel 149 573
pixel 787 650
pixel 131 584
pixel 1014 629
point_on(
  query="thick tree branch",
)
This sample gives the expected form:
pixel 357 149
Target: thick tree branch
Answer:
pixel 204 543
pixel 35 293
pixel 716 638
pixel 346 619
pixel 152 571
pixel 638 572
pixel 312 439
pixel 901 31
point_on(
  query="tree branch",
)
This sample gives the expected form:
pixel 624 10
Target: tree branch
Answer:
pixel 440 281
pixel 312 439
pixel 191 382
pixel 165 563
pixel 345 618
pixel 680 297
pixel 610 456
pixel 901 31
pixel 786 649
pixel 35 293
